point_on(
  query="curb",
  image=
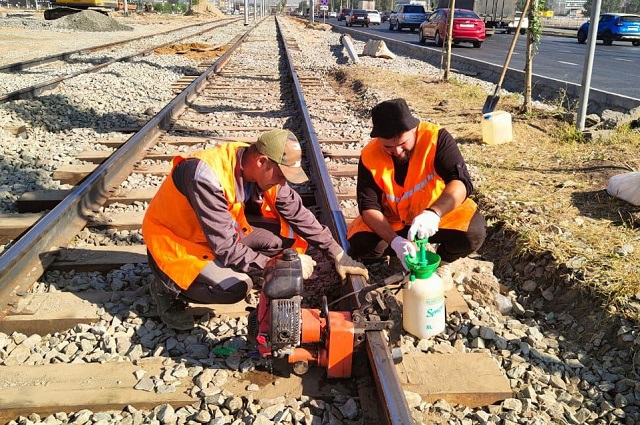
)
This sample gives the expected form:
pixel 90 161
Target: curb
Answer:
pixel 544 89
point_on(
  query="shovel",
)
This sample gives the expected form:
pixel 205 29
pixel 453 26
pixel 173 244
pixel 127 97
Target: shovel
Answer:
pixel 492 101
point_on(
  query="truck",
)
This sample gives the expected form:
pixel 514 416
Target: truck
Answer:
pixel 366 5
pixel 419 2
pixel 513 25
pixel 497 14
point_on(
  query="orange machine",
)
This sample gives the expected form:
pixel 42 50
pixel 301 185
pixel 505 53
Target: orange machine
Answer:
pixel 282 328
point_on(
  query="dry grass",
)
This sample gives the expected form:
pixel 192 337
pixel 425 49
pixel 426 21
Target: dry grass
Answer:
pixel 548 188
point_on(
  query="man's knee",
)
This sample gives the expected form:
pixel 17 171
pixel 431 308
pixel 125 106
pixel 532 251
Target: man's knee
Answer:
pixel 365 244
pixel 477 232
pixel 225 292
pixel 235 293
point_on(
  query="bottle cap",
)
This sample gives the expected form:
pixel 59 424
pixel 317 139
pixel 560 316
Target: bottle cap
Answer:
pixel 424 263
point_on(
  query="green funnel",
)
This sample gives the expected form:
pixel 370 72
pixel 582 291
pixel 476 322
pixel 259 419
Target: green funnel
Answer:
pixel 424 263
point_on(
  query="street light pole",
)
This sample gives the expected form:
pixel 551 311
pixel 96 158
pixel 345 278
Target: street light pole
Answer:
pixel 588 65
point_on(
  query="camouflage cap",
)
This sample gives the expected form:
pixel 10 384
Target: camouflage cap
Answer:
pixel 283 147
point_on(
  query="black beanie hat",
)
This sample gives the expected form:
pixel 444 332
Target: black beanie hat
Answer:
pixel 392 117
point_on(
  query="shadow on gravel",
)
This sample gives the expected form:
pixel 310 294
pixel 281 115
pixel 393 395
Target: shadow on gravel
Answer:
pixel 600 205
pixel 554 295
pixel 337 51
pixel 251 110
pixel 54 113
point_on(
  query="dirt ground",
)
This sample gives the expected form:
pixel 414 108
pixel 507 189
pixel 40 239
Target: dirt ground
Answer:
pixel 554 234
pixel 544 195
pixel 195 51
pixel 19 44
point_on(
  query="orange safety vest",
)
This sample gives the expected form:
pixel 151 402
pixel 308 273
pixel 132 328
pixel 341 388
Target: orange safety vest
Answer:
pixel 422 186
pixel 171 229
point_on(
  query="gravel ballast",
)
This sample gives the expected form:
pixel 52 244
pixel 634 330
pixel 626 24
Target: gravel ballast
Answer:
pixel 552 380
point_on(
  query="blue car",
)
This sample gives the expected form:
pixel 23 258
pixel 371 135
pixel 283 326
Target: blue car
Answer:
pixel 614 27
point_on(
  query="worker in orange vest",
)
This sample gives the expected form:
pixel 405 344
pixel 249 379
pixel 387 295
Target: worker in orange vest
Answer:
pixel 413 184
pixel 221 214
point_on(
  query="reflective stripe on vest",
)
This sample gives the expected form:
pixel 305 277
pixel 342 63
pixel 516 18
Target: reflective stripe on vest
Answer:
pixel 422 185
pixel 171 228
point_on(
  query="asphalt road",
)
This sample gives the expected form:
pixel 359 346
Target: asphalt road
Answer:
pixel 615 68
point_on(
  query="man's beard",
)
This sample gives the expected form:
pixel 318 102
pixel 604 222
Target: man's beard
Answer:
pixel 404 159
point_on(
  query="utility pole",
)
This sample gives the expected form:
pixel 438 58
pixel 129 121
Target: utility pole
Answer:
pixel 588 65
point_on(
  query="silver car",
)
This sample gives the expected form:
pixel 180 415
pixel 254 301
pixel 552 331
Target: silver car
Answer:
pixel 407 16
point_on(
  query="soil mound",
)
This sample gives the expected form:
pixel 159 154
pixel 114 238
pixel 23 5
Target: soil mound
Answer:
pixel 206 9
pixel 90 20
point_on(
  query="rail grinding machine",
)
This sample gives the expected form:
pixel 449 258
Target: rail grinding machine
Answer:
pixel 304 336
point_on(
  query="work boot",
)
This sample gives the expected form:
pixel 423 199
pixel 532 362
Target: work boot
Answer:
pixel 444 271
pixel 172 312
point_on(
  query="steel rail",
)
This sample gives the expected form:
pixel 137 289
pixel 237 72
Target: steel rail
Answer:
pixel 19 66
pixel 27 259
pixel 336 221
pixel 393 403
pixel 35 90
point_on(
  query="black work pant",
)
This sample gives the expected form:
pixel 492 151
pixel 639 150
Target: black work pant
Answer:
pixel 453 244
pixel 217 284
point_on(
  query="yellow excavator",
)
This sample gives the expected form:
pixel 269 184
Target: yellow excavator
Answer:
pixel 68 7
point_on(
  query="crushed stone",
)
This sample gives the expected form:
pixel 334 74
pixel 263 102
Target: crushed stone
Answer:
pixel 89 20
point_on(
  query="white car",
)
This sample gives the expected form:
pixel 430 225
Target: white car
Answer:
pixel 332 15
pixel 374 17
pixel 512 26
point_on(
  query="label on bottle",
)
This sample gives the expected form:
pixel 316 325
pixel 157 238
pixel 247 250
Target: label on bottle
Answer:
pixel 431 312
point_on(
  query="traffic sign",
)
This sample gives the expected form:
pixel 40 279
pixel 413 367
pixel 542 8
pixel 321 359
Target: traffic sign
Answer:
pixel 324 7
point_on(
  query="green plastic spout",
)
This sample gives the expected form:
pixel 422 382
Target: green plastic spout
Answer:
pixel 425 262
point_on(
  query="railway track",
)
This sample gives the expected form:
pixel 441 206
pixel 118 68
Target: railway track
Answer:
pixel 96 297
pixel 110 335
pixel 33 77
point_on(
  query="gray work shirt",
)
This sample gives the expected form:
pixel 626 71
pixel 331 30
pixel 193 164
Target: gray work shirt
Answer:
pixel 197 181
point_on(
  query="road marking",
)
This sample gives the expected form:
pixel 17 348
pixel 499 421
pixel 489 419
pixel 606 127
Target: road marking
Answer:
pixel 568 63
pixel 624 60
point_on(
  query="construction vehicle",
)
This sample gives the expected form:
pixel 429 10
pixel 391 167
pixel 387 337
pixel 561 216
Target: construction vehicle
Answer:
pixel 131 7
pixel 69 7
pixel 496 13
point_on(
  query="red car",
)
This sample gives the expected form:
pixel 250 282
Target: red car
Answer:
pixel 467 28
pixel 343 14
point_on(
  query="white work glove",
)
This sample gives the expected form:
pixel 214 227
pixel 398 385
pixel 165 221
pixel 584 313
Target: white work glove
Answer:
pixel 347 265
pixel 403 247
pixel 308 264
pixel 424 225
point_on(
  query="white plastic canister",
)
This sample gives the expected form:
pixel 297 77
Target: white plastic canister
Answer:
pixel 496 128
pixel 423 306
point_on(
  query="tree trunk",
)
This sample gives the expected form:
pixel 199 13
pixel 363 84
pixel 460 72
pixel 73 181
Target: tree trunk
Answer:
pixel 452 6
pixel 528 66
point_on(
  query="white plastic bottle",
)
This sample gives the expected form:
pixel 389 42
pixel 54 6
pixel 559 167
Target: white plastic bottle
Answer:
pixel 423 305
pixel 496 128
